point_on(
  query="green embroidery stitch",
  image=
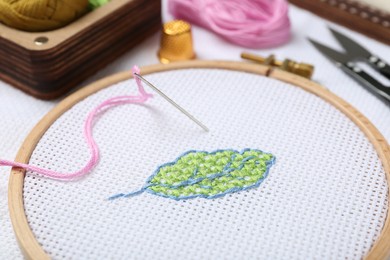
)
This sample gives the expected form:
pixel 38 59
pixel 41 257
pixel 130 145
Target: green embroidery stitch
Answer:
pixel 208 175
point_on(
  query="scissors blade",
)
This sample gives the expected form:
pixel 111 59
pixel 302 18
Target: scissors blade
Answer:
pixel 353 49
pixel 331 54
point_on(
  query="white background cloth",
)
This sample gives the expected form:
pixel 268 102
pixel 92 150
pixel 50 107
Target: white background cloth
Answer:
pixel 19 112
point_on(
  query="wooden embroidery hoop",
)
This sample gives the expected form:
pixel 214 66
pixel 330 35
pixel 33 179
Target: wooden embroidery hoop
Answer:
pixel 26 238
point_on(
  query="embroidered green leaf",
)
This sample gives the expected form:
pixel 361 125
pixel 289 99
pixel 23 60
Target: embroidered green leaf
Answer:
pixel 208 174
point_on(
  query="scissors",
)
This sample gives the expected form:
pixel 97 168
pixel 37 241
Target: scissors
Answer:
pixel 347 62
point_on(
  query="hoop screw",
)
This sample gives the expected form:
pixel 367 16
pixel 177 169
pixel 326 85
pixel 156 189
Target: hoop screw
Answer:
pixel 301 69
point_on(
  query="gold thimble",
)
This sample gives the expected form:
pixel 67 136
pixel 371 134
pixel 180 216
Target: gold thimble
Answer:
pixel 176 42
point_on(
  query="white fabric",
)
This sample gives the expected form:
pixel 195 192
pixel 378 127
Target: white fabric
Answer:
pixel 324 197
pixel 19 113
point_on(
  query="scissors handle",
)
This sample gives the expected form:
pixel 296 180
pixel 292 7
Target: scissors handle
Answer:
pixel 380 65
pixel 366 80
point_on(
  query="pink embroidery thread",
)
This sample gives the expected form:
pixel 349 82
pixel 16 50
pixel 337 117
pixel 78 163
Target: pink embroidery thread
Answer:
pixel 142 97
pixel 248 23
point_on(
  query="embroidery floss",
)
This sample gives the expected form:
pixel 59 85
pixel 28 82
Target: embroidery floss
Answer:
pixel 97 3
pixel 248 23
pixel 115 101
pixel 142 97
pixel 207 174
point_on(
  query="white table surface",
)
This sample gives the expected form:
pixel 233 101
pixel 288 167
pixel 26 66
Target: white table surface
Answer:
pixel 20 112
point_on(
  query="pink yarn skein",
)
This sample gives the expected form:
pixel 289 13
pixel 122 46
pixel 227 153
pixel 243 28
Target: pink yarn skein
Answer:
pixel 248 23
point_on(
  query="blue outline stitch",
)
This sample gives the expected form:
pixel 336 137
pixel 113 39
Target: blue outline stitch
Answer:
pixel 269 164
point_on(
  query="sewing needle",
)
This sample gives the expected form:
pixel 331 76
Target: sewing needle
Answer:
pixel 172 102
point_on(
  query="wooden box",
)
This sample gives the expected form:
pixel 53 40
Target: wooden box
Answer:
pixel 49 64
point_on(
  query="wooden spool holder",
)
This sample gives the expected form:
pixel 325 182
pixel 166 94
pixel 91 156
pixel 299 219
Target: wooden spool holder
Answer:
pixel 49 64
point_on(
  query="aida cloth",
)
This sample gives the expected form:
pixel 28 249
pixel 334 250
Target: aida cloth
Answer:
pixel 325 196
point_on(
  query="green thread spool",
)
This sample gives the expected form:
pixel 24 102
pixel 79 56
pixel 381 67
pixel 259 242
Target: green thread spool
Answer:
pixel 97 3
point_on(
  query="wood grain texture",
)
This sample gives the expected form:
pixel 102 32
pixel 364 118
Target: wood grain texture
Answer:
pixel 25 237
pixel 383 5
pixel 26 39
pixel 354 15
pixel 76 51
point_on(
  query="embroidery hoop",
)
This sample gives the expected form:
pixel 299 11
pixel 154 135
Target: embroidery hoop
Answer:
pixel 25 236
